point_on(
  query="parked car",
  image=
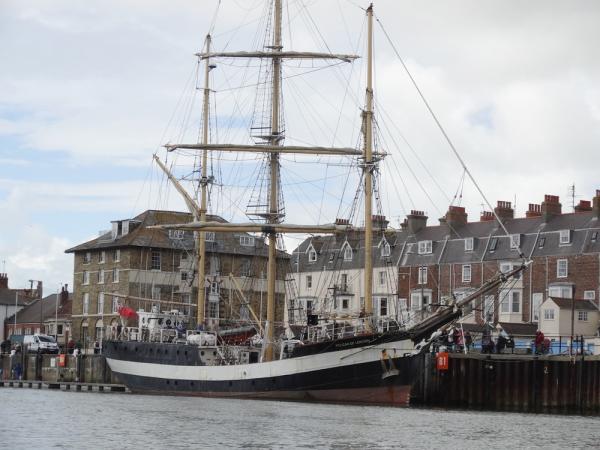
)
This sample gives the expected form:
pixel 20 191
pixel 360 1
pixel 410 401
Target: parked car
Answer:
pixel 40 343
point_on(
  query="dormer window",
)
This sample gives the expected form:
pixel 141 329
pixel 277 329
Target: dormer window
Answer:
pixel 425 247
pixel 209 236
pixel 515 241
pixel 565 237
pixel 312 254
pixel 347 252
pixel 542 242
pixel 493 244
pixel 385 248
pixel 469 244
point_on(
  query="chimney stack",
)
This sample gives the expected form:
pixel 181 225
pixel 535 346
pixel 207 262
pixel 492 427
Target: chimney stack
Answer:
pixel 534 211
pixel 379 221
pixel 456 217
pixel 486 216
pixel 596 204
pixel 551 207
pixel 3 281
pixel 417 220
pixel 583 206
pixel 504 210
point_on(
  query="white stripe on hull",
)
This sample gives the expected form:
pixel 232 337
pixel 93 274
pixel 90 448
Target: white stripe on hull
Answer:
pixel 277 368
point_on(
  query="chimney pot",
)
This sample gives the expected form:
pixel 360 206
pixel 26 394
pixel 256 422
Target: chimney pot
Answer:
pixel 534 210
pixel 583 206
pixel 486 216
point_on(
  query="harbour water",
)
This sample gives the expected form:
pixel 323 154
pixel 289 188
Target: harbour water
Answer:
pixel 69 420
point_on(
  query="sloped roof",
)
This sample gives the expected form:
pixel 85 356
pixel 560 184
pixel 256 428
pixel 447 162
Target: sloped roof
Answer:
pixel 43 309
pixel 567 303
pixel 7 297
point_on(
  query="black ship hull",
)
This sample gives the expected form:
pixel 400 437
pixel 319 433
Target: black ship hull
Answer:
pixel 376 374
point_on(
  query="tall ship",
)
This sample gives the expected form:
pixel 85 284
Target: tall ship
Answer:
pixel 360 358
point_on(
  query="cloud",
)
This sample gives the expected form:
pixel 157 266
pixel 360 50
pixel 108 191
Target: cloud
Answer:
pixel 105 84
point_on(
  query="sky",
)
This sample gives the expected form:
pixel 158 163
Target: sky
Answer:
pixel 90 90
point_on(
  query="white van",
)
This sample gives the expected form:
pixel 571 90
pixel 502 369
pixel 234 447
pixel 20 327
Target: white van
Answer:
pixel 40 343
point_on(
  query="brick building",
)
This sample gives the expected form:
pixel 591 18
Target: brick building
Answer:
pixel 149 264
pixel 44 316
pixel 14 300
pixel 451 259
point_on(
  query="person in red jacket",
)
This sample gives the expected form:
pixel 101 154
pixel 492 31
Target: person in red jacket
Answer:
pixel 539 342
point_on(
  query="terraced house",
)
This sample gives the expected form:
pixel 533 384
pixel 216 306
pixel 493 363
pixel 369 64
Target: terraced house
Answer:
pixel 430 265
pixel 151 267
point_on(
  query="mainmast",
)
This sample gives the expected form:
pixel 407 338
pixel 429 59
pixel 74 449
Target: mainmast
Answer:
pixel 273 216
pixel 368 170
pixel 200 317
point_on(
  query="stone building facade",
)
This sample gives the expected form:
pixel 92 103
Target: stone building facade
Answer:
pixel 434 264
pixel 150 267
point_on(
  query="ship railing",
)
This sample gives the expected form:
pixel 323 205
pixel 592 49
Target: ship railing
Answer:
pixel 337 330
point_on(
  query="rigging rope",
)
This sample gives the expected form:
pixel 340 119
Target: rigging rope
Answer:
pixel 443 131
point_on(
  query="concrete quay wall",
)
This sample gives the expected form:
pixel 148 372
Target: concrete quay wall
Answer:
pixel 83 368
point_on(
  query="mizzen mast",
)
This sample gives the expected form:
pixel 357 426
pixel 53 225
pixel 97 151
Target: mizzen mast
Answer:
pixel 368 170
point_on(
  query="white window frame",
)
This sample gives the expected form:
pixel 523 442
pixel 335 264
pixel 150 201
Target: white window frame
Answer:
pixel 382 277
pixel 537 298
pixel 507 302
pixel 183 275
pixel 312 254
pixel 86 277
pixel 87 257
pixel 308 282
pixel 417 300
pixel 101 276
pixel 562 268
pixel 469 244
pixel 582 316
pixel 247 241
pixel 102 257
pixel 209 236
pixel 466 273
pixel 85 304
pixel 115 275
pixel 515 241
pixel 383 300
pixel 117 255
pixel 347 252
pixel 564 237
pixel 548 314
pixel 154 253
pixel 344 282
pixel 552 291
pixel 101 303
pixel 589 295
pixel 422 275
pixel 386 249
pixel 115 304
pixel 425 247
